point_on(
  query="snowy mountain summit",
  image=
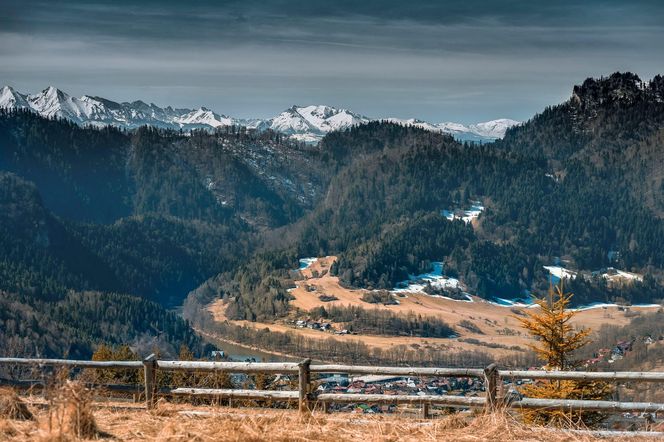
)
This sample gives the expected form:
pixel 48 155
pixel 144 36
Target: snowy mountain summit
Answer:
pixel 308 124
pixel 311 123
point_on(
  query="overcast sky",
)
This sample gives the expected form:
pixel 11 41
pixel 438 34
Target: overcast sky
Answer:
pixel 465 60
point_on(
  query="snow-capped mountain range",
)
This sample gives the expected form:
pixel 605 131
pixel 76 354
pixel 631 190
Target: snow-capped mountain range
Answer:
pixel 304 123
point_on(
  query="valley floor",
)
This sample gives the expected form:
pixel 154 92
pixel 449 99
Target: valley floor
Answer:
pixel 495 327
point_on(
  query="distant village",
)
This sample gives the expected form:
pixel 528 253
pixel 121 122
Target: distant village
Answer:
pixel 620 350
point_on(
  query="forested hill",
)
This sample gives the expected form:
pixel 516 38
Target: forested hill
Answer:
pixel 612 126
pixel 578 183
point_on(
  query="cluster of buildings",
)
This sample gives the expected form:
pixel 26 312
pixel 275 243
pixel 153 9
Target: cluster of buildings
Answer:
pixel 319 325
pixel 619 351
pixel 395 385
pixel 611 355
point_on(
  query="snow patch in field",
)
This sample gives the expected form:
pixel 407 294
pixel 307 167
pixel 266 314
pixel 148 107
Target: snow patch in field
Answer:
pixel 435 278
pixel 606 305
pixel 466 215
pixel 614 274
pixel 629 275
pixel 306 262
pixel 561 272
pixel 503 302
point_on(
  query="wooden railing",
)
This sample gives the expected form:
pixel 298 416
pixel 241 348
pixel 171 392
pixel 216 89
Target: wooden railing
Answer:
pixel 307 398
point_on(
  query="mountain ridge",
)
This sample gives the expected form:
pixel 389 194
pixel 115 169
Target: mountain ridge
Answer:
pixel 308 124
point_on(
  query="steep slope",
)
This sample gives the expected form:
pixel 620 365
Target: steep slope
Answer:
pixel 72 326
pixel 102 175
pixel 59 281
pixel 156 257
pixel 614 125
pixel 39 255
pixel 81 173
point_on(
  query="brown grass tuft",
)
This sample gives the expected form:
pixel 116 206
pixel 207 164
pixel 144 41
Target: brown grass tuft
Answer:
pixel 12 407
pixel 454 421
pixel 502 426
pixel 70 415
pixel 162 408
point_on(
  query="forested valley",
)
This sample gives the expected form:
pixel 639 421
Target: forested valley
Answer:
pixel 122 227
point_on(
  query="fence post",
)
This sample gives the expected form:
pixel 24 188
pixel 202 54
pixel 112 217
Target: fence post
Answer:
pixel 304 379
pixel 425 410
pixel 149 370
pixel 491 386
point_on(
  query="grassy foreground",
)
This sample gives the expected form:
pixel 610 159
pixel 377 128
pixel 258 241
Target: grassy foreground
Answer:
pixel 184 422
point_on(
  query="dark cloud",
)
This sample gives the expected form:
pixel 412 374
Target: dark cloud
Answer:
pixel 440 60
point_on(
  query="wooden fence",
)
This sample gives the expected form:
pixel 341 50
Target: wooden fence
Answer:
pixel 307 398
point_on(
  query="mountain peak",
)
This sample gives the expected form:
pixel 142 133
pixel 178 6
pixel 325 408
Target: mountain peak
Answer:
pixel 10 99
pixel 618 87
pixel 53 92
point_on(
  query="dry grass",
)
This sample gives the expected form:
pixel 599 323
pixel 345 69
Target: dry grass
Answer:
pixel 70 413
pixel 12 407
pixel 181 422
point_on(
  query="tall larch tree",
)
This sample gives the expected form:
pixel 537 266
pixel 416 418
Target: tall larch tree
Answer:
pixel 556 341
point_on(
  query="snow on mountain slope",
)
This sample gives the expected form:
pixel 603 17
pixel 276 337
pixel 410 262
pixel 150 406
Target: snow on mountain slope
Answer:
pixel 494 128
pixel 308 124
pixel 52 102
pixel 290 122
pixel 204 117
pixel 327 119
pixel 487 131
pixel 414 122
pixel 311 122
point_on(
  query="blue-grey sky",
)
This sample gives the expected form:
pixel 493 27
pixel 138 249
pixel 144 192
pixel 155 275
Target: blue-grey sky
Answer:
pixel 461 60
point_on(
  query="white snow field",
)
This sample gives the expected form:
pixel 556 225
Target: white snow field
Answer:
pixel 306 262
pixel 435 278
pixel 466 216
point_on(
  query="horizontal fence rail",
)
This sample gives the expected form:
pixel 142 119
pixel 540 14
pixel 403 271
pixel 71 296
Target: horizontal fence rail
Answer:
pixel 239 394
pixel 399 371
pixel 71 363
pixel 575 404
pixel 306 397
pixel 584 375
pixel 354 398
pixel 229 367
